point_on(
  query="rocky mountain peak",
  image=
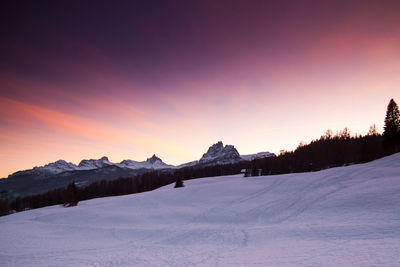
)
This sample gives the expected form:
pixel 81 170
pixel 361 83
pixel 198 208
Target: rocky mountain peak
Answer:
pixel 94 163
pixel 59 165
pixel 153 159
pixel 104 158
pixel 220 153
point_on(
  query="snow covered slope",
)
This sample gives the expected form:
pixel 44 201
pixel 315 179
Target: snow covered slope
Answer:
pixel 347 216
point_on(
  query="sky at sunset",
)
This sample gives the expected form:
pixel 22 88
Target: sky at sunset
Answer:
pixel 129 79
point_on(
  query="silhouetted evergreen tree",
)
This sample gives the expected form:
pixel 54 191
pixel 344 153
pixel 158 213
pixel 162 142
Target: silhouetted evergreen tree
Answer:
pixel 391 134
pixel 71 195
pixel 4 207
pixel 372 130
pixel 254 168
pixel 179 183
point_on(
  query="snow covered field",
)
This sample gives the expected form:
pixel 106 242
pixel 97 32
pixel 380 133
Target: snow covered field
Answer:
pixel 348 216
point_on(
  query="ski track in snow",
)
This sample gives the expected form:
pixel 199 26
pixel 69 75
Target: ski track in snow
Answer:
pixel 347 216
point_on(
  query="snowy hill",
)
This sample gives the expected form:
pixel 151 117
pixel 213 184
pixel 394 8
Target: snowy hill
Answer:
pixel 347 216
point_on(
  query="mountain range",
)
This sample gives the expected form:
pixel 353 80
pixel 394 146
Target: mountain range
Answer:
pixel 58 174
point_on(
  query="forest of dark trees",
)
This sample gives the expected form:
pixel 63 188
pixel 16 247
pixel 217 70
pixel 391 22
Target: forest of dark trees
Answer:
pixel 326 152
pixel 330 150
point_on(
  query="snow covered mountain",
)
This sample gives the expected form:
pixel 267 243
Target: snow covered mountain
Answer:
pixel 151 163
pixel 220 154
pixel 58 174
pixel 48 169
pixel 259 155
pixel 346 216
pixel 88 164
pixel 216 154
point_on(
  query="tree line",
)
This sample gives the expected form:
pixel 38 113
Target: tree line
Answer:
pixel 328 151
pixel 333 150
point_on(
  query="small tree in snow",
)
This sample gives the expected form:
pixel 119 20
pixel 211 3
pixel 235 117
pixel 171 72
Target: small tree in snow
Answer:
pixel 179 183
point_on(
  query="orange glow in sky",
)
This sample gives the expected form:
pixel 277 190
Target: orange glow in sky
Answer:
pixel 174 81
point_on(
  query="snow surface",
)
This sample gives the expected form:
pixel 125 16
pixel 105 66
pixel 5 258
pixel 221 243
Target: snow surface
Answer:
pixel 347 216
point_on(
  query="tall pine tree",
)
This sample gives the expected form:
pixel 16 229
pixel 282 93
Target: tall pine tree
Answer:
pixel 391 134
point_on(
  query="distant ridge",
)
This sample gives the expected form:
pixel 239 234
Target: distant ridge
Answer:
pixel 215 155
pixel 59 173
